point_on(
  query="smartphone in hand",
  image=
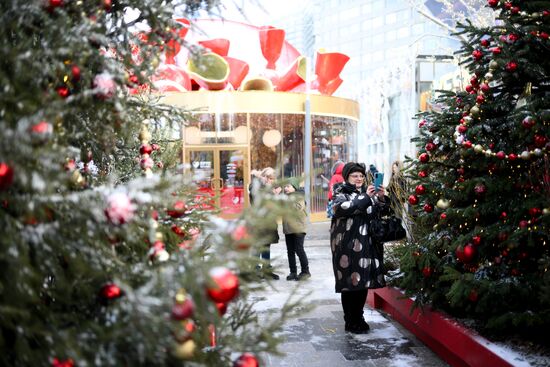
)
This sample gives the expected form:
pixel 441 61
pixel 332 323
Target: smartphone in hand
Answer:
pixel 378 180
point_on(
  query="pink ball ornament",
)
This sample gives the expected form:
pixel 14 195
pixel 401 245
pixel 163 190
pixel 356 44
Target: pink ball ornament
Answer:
pixel 119 209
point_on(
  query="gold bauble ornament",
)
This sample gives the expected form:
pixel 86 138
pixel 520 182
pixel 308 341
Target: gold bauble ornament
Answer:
pixel 474 111
pixel 546 211
pixel 468 119
pixel 525 155
pixel 489 76
pixel 488 153
pixel 185 350
pixel 442 204
pixel 478 148
pixel 77 179
pixel 493 65
pixel 144 135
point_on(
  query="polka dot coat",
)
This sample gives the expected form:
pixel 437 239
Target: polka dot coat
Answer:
pixel 357 260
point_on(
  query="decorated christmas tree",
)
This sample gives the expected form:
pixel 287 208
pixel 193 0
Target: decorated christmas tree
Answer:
pixel 109 255
pixel 480 245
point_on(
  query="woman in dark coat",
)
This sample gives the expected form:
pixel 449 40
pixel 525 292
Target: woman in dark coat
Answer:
pixel 357 259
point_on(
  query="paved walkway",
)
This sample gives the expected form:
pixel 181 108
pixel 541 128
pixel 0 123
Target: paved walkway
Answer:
pixel 318 339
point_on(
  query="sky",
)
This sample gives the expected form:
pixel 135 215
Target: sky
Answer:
pixel 257 12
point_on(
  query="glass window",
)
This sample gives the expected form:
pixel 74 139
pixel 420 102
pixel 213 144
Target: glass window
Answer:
pixel 390 35
pixel 293 145
pixel 376 41
pixel 265 141
pixel 418 29
pixel 377 22
pixel 366 9
pixel 378 56
pixel 403 32
pixel 366 25
pixel 332 139
pixel 391 18
pixel 378 5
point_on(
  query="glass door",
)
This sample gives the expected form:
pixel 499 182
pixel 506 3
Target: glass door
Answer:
pixel 221 176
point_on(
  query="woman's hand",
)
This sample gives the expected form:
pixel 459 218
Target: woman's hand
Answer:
pixel 371 191
pixel 381 192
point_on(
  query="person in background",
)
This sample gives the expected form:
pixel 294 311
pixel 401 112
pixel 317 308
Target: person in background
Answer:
pixel 267 179
pixel 357 259
pixel 336 178
pixel 294 228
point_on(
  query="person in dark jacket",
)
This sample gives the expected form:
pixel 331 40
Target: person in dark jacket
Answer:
pixel 294 228
pixel 357 259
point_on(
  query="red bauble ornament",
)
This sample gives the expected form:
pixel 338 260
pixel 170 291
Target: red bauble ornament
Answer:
pixel 496 50
pixel 145 149
pixel 421 123
pixel 515 9
pixel 62 91
pixel 6 176
pixel 420 189
pixel 460 171
pixel 480 189
pixel 422 174
pixel 477 54
pixel 462 129
pixel 512 157
pixel 543 35
pixel 535 212
pixel 133 79
pixel 473 295
pixel 469 88
pixel 43 127
pixel 540 140
pixel 222 308
pixel 226 285
pixel 502 236
pixel 469 253
pixel 474 82
pixel 178 209
pixel 428 208
pixel 426 271
pixel 177 230
pixel 424 157
pixel 430 146
pixel 528 122
pixel 443 216
pixel 485 87
pixel 55 3
pixel 110 291
pixel 523 224
pixel 467 144
pixel 501 155
pixel 413 199
pixel 476 240
pixel 512 38
pixel 66 363
pixel 107 4
pixel 183 310
pixel 492 3
pixel 480 99
pixel 511 66
pixel 75 71
pixel 484 42
pixel 247 360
